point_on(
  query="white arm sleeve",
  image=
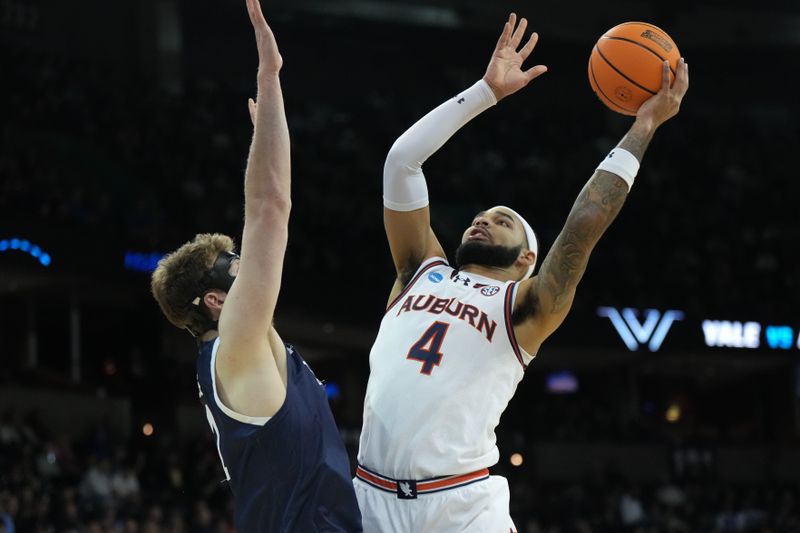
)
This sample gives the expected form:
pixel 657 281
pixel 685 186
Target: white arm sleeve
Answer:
pixel 404 187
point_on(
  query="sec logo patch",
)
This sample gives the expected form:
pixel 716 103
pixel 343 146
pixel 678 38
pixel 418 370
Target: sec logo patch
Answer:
pixel 490 291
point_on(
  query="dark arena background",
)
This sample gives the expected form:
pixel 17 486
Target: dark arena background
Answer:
pixel 669 401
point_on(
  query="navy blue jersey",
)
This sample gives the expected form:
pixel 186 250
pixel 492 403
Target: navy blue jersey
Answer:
pixel 289 473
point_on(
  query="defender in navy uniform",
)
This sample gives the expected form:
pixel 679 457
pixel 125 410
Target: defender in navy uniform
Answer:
pixel 278 443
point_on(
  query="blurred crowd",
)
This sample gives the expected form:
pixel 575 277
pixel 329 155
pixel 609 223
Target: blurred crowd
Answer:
pixel 600 507
pixel 101 483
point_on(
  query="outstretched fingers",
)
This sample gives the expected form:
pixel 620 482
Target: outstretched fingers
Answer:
pixel 529 46
pixel 534 72
pixel 269 57
pixel 516 38
pixel 502 42
pixel 256 15
pixel 681 84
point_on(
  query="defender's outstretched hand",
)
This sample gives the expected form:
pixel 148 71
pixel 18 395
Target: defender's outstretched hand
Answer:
pixel 269 58
pixel 504 73
pixel 666 103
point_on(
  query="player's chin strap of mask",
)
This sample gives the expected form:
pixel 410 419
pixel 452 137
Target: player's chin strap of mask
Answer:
pixel 219 277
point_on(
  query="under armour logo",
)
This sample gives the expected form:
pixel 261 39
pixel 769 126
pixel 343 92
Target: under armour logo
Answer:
pixel 407 490
pixel 635 333
pixel 461 100
pixel 459 278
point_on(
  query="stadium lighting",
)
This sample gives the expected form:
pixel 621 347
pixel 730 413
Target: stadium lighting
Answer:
pixel 26 246
pixel 142 261
pixel 673 413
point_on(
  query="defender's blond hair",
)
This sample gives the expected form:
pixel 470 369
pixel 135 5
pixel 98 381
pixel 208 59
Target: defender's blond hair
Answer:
pixel 176 281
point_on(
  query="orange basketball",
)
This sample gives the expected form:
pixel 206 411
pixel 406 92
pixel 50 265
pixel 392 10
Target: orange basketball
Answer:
pixel 625 65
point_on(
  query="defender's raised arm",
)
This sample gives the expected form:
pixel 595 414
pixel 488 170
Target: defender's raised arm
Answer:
pixel 246 357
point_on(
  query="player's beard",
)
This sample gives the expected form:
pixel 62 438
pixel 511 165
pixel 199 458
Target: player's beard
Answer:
pixel 490 255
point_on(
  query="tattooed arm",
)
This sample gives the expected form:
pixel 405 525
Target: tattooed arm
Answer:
pixel 543 301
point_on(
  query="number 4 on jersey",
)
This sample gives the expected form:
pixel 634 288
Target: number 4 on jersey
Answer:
pixel 428 349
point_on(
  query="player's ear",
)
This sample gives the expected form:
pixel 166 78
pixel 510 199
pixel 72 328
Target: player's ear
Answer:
pixel 214 299
pixel 526 257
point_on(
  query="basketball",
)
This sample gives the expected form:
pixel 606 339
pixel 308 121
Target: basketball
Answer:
pixel 625 65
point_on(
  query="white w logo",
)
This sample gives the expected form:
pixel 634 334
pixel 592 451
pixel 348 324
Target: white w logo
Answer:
pixel 634 333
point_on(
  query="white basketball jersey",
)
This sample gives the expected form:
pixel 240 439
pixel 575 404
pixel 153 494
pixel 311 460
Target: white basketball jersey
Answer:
pixel 443 368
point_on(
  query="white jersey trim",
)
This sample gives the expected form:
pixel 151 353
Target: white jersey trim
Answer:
pixel 254 420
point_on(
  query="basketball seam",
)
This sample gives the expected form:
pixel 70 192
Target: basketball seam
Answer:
pixel 609 100
pixel 600 53
pixel 641 45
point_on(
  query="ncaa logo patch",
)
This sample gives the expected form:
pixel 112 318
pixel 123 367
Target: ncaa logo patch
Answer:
pixel 490 291
pixel 435 277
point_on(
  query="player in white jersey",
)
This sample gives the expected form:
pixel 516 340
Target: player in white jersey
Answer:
pixel 455 341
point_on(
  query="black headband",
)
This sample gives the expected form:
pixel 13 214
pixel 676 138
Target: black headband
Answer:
pixel 218 277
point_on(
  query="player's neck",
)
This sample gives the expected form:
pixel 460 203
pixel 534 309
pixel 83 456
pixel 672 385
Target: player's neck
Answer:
pixel 209 335
pixel 497 273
